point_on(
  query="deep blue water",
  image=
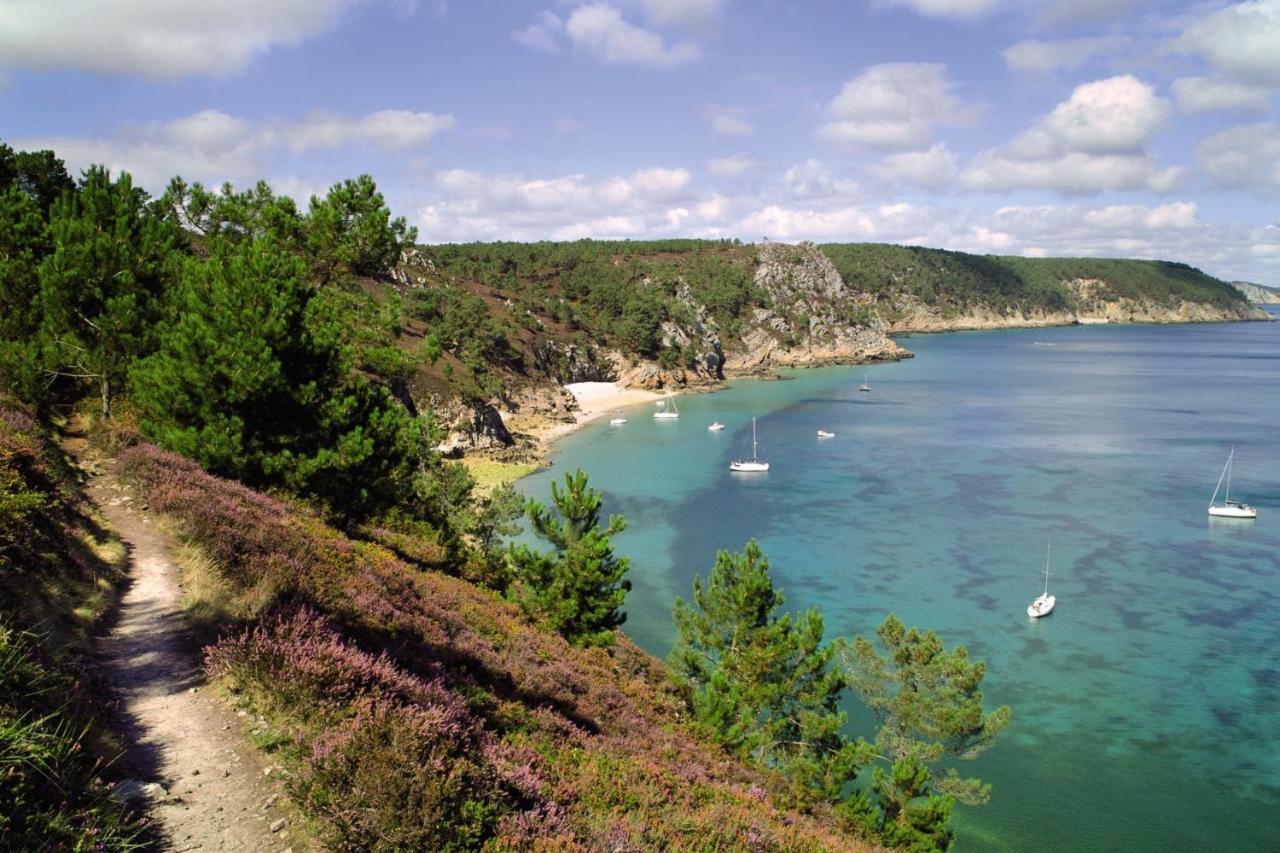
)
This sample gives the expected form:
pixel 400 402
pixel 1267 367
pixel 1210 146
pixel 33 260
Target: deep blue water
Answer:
pixel 1146 708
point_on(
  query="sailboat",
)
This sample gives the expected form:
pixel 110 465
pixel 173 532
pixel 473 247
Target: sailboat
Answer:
pixel 866 383
pixel 1043 605
pixel 665 414
pixel 755 463
pixel 1229 508
pixel 716 426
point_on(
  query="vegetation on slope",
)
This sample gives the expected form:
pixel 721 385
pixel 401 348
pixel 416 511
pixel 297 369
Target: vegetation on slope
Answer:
pixel 58 571
pixel 431 688
pixel 957 281
pixel 421 712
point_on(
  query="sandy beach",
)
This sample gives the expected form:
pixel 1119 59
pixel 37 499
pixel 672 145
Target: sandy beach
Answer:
pixel 595 399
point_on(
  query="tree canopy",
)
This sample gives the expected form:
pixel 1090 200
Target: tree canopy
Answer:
pixel 928 701
pixel 578 587
pixel 764 685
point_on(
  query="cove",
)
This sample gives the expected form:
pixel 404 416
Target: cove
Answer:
pixel 1146 708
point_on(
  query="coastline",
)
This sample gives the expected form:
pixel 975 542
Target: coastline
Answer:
pixel 593 399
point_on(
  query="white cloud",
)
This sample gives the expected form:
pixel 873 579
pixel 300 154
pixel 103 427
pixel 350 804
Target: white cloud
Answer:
pixel 213 146
pixel 600 30
pixel 1240 40
pixel 387 129
pixel 543 34
pixel 728 121
pixel 1244 158
pixel 1204 94
pixel 1064 13
pixel 933 169
pixel 731 167
pixel 812 179
pixel 1119 114
pixel 158 39
pixel 1072 172
pixel 892 106
pixel 948 8
pixel 1096 140
pixel 660 183
pixel 662 202
pixel 691 14
pixel 1042 57
pixel 475 205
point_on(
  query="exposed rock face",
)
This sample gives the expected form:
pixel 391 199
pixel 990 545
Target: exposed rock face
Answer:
pixel 815 320
pixel 470 426
pixel 1093 302
pixel 1258 294
pixel 568 363
pixel 412 270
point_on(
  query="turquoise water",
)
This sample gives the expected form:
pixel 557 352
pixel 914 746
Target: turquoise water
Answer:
pixel 1146 708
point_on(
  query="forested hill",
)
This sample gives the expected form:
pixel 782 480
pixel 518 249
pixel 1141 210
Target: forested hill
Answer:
pixel 676 312
pixel 961 283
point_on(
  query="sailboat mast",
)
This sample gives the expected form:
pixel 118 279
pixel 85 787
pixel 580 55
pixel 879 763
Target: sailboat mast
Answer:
pixel 754 454
pixel 1230 456
pixel 1047 546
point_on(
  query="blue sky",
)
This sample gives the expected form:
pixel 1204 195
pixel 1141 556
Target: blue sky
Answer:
pixel 1043 127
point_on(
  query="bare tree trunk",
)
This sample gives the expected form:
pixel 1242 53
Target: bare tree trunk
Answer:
pixel 106 397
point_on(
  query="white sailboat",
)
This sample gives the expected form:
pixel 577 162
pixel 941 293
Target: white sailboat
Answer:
pixel 1229 508
pixel 716 426
pixel 664 413
pixel 755 463
pixel 866 383
pixel 1043 605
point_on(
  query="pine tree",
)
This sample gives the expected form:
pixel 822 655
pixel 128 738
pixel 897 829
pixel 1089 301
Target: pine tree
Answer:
pixel 929 705
pixel 578 587
pixel 102 284
pixel 251 380
pixel 763 685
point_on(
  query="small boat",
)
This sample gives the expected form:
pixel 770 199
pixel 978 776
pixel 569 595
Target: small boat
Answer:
pixel 822 433
pixel 1043 605
pixel 617 421
pixel 755 464
pixel 1229 508
pixel 665 414
pixel 866 384
pixel 716 426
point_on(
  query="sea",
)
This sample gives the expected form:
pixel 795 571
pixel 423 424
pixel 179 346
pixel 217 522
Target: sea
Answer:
pixel 1146 707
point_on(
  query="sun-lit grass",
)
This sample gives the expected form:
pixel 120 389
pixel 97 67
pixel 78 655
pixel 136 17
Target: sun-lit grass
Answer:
pixel 491 473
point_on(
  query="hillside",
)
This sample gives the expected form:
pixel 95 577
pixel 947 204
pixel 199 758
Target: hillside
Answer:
pixel 416 711
pixel 515 321
pixel 1258 294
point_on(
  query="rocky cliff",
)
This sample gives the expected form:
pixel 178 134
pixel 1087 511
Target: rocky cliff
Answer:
pixel 1091 302
pixel 814 317
pixel 1257 293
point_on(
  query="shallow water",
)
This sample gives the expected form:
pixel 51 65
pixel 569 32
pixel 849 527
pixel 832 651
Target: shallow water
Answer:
pixel 1146 708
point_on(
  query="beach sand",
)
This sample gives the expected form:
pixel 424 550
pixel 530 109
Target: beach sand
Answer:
pixel 595 399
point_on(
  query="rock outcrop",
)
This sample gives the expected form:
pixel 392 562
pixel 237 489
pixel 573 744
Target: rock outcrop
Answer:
pixel 1258 294
pixel 815 318
pixel 1092 301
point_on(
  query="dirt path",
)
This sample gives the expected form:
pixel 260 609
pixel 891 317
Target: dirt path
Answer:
pixel 220 793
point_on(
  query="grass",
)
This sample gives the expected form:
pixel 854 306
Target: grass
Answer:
pixel 427 713
pixel 491 473
pixel 59 573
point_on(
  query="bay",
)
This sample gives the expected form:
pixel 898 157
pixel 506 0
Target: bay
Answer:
pixel 1146 708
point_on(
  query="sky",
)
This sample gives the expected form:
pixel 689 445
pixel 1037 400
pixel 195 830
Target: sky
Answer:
pixel 1124 128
